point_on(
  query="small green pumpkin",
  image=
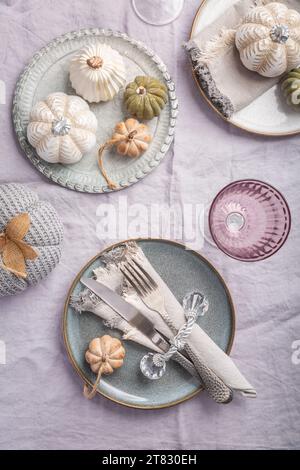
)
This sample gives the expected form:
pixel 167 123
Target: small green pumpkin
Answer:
pixel 145 97
pixel 291 88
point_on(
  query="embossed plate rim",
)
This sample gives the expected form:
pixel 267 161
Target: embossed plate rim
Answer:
pixel 29 151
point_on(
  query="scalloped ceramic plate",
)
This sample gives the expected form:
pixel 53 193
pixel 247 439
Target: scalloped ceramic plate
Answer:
pixel 48 72
pixel 184 271
pixel 268 115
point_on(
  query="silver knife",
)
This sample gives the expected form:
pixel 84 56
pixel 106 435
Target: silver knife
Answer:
pixel 126 311
pixel 135 318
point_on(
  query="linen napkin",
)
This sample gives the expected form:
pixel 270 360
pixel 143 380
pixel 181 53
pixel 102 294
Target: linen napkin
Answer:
pixel 201 345
pixel 216 62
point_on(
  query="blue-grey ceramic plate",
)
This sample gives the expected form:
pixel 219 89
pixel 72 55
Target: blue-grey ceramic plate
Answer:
pixel 183 270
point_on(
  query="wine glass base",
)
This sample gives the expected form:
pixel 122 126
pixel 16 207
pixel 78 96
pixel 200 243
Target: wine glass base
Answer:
pixel 249 220
pixel 150 13
pixel 235 221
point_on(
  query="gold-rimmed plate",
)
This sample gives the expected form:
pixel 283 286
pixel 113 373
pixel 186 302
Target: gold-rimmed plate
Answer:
pixel 268 115
pixel 183 270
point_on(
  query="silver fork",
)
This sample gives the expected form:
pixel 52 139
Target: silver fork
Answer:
pixel 151 295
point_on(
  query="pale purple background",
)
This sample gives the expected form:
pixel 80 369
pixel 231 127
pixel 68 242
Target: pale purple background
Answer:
pixel 41 403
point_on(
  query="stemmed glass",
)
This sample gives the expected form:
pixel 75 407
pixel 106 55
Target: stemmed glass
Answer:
pixel 158 12
pixel 249 220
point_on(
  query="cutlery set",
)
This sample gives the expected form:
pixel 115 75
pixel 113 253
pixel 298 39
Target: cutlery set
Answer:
pixel 153 365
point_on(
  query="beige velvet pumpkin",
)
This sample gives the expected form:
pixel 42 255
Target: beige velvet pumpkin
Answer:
pixel 104 355
pixel 131 139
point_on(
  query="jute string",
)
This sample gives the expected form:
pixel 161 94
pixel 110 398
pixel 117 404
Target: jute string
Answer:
pixel 109 143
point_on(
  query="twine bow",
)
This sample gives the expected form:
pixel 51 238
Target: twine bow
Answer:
pixel 13 249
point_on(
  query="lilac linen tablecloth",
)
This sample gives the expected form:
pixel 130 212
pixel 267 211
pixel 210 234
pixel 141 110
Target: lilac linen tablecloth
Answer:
pixel 41 403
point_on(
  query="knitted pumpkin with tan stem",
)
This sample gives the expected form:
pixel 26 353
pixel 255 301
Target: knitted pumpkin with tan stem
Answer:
pixel 31 235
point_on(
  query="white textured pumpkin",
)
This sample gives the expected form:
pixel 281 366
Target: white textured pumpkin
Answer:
pixel 97 72
pixel 269 39
pixel 62 128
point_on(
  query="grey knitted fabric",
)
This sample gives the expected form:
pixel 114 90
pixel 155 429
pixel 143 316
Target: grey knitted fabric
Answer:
pixel 45 234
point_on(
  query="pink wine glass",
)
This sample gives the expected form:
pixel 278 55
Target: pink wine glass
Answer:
pixel 249 220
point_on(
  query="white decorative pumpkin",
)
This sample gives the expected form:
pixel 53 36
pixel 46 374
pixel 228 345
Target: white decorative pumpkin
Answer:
pixel 269 39
pixel 62 128
pixel 97 72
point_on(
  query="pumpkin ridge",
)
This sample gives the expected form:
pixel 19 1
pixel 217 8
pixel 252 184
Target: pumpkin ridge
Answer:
pixel 74 143
pixel 47 105
pixel 265 60
pixel 244 43
pixel 155 105
pixel 44 137
pixel 295 33
pixel 160 102
pixel 35 207
pixel 292 46
pixel 256 16
pixel 56 116
pixel 73 138
pixel 274 15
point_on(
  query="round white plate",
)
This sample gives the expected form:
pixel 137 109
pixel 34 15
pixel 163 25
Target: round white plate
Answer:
pixel 48 72
pixel 268 114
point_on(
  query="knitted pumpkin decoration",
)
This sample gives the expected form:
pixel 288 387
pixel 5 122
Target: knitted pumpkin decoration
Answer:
pixel 30 239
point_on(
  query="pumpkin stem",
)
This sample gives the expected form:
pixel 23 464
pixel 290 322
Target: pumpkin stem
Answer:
pixel 89 394
pixel 95 62
pixel 131 134
pixel 141 90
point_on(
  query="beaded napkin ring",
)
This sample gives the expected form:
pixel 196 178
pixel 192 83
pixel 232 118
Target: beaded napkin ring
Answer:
pixel 153 366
